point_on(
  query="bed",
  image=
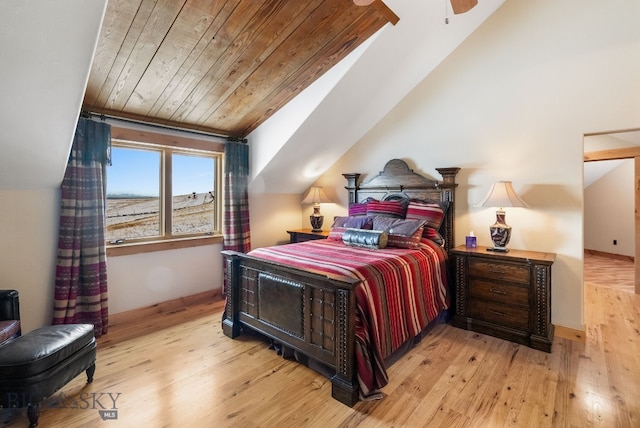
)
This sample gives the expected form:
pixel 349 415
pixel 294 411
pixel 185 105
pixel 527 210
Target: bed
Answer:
pixel 336 306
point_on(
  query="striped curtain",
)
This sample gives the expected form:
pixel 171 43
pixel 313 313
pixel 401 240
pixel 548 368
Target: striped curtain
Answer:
pixel 81 270
pixel 236 231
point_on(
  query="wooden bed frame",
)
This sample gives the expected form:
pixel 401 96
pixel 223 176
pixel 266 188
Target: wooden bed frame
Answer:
pixel 314 314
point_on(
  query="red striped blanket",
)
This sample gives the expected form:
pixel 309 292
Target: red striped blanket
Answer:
pixel 402 290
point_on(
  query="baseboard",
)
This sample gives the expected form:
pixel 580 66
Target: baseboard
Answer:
pixel 164 307
pixel 609 255
pixel 570 334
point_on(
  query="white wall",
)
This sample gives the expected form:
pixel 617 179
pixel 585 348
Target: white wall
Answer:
pixel 271 215
pixel 28 240
pixel 609 211
pixel 146 279
pixel 513 102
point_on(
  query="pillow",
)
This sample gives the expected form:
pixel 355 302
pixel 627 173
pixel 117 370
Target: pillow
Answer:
pixel 432 213
pixel 357 209
pixel 402 241
pixel 335 234
pixel 372 239
pixel 402 233
pixel 434 235
pixel 397 226
pixel 340 224
pixel 394 209
pixel 355 222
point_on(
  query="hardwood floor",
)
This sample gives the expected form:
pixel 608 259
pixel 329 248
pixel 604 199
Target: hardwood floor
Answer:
pixel 177 369
pixel 613 272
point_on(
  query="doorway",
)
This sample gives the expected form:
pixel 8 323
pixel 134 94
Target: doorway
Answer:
pixel 606 152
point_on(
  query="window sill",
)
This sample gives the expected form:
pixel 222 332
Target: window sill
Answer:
pixel 151 246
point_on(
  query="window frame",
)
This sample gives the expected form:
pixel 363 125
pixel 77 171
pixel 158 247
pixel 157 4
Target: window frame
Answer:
pixel 169 144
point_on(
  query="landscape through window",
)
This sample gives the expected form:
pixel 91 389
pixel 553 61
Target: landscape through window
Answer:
pixel 160 192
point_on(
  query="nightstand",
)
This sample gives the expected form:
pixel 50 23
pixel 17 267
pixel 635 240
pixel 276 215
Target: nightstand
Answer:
pixel 301 235
pixel 506 295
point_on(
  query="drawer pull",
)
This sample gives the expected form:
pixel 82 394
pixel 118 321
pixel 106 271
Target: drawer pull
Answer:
pixel 497 291
pixel 494 269
pixel 497 313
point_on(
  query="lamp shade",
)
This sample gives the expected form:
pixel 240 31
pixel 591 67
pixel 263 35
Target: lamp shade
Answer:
pixel 316 196
pixel 502 195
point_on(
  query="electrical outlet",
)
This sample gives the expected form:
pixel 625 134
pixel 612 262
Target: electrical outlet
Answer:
pixel 615 242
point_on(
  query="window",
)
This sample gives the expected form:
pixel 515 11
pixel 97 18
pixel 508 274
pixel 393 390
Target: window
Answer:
pixel 158 193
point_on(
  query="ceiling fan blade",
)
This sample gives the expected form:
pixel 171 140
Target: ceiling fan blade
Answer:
pixel 363 2
pixel 462 6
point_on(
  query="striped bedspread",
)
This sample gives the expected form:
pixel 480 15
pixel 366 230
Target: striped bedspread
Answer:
pixel 402 290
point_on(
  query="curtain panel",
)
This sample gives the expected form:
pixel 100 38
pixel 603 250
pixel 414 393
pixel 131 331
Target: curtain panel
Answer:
pixel 236 229
pixel 81 270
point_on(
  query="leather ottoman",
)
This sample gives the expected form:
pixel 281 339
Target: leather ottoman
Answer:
pixel 39 363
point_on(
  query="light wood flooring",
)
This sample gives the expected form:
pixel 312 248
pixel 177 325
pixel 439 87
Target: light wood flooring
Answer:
pixel 614 272
pixel 178 369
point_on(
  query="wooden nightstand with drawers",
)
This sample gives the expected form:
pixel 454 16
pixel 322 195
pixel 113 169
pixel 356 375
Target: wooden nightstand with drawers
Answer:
pixel 302 235
pixel 506 295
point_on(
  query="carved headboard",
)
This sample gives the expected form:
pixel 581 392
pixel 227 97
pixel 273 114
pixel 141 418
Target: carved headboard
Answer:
pixel 396 180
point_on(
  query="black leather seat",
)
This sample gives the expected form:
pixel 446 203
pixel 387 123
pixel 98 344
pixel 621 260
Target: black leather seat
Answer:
pixel 9 315
pixel 35 365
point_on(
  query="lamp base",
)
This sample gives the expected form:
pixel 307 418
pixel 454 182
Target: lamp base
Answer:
pixel 498 249
pixel 316 222
pixel 500 233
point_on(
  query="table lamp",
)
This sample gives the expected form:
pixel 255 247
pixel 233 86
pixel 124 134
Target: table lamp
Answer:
pixel 316 196
pixel 501 195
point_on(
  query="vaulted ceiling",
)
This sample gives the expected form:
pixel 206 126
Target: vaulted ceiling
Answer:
pixel 219 66
pixel 55 53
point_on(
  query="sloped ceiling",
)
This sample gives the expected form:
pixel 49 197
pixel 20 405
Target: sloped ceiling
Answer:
pixel 300 142
pixel 48 50
pixel 219 66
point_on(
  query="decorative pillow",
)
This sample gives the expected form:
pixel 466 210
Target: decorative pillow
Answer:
pixel 340 224
pixel 357 209
pixel 354 222
pixel 395 209
pixel 397 226
pixel 335 234
pixel 434 235
pixel 431 212
pixel 372 239
pixel 402 241
pixel 402 233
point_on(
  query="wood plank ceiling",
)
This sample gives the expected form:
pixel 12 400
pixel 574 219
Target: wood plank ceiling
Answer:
pixel 219 66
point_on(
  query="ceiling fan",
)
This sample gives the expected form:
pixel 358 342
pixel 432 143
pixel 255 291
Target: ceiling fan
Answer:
pixel 459 6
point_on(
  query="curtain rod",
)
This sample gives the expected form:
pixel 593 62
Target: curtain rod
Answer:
pixel 104 117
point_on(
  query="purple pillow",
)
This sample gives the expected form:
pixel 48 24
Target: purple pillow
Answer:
pixel 354 222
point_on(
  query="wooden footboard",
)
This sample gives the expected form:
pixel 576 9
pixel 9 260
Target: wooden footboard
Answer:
pixel 311 313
